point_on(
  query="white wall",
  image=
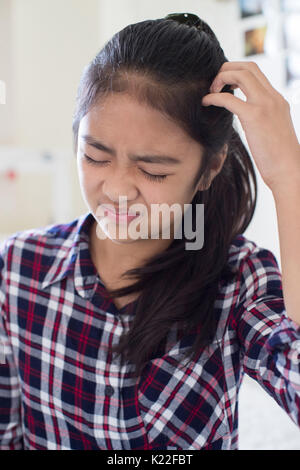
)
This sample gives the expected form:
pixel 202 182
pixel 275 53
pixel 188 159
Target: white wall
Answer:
pixel 6 74
pixel 44 45
pixel 52 41
pixel 116 14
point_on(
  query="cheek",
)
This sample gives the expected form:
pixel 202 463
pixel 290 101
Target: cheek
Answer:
pixel 165 199
pixel 87 182
pixel 173 194
pixel 153 195
pixel 88 177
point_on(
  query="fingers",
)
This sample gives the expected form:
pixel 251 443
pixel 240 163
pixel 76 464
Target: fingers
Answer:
pixel 253 68
pixel 228 101
pixel 246 81
pixel 249 78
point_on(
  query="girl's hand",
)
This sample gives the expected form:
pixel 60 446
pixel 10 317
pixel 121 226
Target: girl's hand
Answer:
pixel 265 118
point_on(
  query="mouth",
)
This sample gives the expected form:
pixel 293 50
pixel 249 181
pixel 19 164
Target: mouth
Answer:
pixel 119 217
pixel 125 213
pixel 120 214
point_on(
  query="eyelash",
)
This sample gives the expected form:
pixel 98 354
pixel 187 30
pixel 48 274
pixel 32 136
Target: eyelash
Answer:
pixel 158 178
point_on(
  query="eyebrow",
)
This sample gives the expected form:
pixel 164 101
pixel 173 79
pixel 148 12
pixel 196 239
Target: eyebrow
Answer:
pixel 136 158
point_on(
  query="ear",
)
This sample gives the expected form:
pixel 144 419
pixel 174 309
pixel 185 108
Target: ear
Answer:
pixel 220 161
pixel 215 169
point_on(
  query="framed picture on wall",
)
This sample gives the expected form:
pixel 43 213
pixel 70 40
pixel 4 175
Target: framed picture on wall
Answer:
pixel 255 40
pixel 250 7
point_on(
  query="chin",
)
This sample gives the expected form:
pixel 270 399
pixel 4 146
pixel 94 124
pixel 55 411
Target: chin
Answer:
pixel 126 241
pixel 123 242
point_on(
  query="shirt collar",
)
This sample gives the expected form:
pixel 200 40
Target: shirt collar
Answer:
pixel 73 255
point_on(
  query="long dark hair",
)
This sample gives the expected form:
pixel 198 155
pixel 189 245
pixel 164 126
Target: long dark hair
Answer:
pixel 170 66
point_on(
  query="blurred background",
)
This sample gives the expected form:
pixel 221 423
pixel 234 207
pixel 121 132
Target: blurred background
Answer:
pixel 44 46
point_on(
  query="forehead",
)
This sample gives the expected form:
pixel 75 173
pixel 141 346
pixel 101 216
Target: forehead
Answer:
pixel 121 119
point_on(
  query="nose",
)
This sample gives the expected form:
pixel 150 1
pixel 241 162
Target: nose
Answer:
pixel 118 183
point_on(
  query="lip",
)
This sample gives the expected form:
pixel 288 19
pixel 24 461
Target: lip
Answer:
pixel 119 217
pixel 121 214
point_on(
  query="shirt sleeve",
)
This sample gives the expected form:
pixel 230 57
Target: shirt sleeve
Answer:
pixel 11 435
pixel 269 339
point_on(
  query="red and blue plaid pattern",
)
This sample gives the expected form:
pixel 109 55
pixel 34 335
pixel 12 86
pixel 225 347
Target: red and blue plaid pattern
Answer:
pixel 60 387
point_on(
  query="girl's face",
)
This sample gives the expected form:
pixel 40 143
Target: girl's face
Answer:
pixel 116 134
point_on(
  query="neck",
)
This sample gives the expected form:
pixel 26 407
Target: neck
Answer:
pixel 121 256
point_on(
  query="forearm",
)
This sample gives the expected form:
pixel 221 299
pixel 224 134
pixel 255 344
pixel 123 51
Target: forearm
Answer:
pixel 287 201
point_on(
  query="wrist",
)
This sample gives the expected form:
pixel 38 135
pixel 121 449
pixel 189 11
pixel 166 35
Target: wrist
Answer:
pixel 288 177
pixel 287 188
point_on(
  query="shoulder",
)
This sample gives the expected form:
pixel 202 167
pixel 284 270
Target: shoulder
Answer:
pixel 36 245
pixel 257 269
pixel 243 252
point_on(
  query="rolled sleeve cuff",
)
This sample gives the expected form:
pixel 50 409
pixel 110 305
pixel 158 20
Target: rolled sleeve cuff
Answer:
pixel 285 336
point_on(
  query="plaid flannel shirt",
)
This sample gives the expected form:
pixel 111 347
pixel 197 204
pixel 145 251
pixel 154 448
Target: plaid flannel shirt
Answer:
pixel 60 387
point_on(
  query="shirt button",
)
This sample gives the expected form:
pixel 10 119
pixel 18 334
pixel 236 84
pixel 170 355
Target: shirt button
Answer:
pixel 109 390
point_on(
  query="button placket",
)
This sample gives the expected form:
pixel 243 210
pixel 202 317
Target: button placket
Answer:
pixel 107 409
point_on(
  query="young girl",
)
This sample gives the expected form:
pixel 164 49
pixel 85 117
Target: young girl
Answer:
pixel 136 342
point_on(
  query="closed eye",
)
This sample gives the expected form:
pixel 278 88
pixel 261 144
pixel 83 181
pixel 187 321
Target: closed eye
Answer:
pixel 147 175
